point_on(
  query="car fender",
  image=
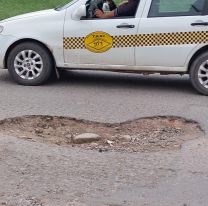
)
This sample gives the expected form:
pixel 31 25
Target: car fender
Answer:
pixel 192 53
pixel 45 29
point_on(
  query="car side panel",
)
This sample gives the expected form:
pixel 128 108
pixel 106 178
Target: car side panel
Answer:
pixel 177 39
pixel 165 54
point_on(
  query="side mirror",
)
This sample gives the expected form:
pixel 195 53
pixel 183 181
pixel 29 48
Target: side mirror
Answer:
pixel 79 12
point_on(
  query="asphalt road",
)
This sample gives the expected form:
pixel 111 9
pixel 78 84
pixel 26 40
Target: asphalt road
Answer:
pixel 105 97
pixel 62 176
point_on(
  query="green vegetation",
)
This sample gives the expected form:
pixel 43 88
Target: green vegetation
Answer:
pixel 10 8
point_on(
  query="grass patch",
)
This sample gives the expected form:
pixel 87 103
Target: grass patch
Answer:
pixel 10 8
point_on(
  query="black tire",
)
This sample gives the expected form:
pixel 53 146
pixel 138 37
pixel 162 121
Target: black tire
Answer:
pixel 46 68
pixel 194 73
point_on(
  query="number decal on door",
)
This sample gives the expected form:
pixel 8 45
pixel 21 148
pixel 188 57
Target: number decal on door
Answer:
pixel 98 42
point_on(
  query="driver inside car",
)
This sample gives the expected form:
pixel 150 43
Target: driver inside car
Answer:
pixel 125 9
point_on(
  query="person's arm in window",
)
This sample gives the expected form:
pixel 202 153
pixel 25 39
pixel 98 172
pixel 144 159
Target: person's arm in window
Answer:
pixel 125 9
pixel 102 15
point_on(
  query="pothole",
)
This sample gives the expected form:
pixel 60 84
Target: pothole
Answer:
pixel 146 134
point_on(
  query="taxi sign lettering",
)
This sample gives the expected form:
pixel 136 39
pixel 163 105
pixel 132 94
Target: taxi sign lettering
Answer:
pixel 98 42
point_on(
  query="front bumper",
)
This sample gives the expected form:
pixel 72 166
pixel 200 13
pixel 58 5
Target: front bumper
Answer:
pixel 5 42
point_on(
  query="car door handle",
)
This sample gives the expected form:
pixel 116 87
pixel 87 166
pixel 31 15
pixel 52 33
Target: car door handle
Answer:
pixel 199 24
pixel 125 26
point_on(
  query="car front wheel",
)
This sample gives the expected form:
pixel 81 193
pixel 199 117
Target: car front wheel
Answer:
pixel 30 64
pixel 199 73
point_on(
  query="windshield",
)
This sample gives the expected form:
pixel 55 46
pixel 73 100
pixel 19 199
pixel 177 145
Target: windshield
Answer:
pixel 64 6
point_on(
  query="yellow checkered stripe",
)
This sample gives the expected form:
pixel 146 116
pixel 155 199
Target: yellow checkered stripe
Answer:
pixel 161 39
pixel 125 41
pixel 144 40
pixel 74 43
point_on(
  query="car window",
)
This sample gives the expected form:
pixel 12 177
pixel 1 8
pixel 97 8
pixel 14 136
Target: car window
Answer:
pixel 125 8
pixel 170 8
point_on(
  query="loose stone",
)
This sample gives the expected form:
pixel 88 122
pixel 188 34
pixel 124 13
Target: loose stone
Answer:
pixel 86 138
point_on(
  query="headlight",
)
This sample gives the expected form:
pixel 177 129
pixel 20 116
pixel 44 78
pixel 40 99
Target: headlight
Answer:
pixel 1 28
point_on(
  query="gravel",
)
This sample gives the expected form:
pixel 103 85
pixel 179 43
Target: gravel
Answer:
pixel 146 134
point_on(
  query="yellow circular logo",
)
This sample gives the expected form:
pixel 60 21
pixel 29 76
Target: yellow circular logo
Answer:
pixel 98 42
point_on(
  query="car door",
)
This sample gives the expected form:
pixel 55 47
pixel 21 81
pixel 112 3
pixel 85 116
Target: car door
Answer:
pixel 99 41
pixel 169 31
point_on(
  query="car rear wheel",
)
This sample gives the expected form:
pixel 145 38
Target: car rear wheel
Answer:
pixel 199 73
pixel 30 64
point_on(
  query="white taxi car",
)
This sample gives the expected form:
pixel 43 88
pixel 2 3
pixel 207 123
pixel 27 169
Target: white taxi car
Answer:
pixel 164 36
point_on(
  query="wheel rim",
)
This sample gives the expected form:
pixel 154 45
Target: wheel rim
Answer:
pixel 28 64
pixel 203 74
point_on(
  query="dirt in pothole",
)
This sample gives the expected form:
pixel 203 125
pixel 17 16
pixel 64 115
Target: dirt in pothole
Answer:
pixel 146 134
